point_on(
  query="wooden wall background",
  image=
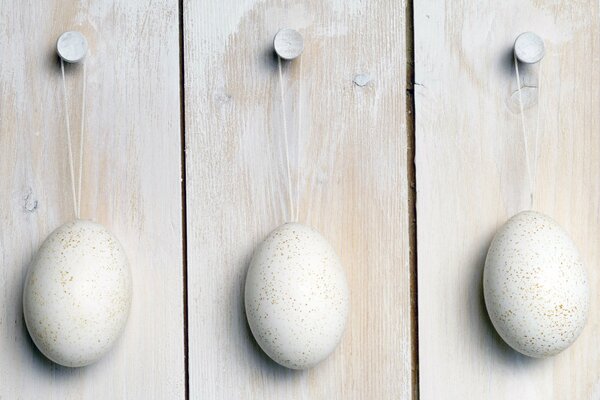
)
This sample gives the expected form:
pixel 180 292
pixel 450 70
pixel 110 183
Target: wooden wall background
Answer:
pixel 184 162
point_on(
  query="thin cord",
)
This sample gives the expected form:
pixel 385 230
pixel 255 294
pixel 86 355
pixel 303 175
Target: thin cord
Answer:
pixel 81 140
pixel 64 85
pixel 76 197
pixel 285 135
pixel 531 177
pixel 537 124
pixel 298 141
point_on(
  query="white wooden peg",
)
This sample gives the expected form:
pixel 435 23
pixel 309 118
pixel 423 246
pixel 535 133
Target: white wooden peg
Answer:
pixel 288 44
pixel 71 46
pixel 529 48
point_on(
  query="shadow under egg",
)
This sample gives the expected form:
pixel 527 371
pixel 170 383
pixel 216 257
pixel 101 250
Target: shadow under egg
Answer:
pixel 489 338
pixel 260 362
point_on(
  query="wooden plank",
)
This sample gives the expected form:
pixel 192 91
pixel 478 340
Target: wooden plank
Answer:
pixel 471 177
pixel 353 186
pixel 132 184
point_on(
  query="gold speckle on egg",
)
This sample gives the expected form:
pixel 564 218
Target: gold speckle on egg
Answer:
pixel 77 294
pixel 296 296
pixel 535 286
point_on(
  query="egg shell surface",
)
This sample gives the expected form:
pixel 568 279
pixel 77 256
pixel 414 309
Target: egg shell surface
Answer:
pixel 77 294
pixel 535 285
pixel 296 296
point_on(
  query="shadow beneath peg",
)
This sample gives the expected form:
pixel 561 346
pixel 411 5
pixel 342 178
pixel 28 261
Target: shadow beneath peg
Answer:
pixel 53 62
pixel 507 65
pixel 269 60
pixel 52 59
pixel 529 81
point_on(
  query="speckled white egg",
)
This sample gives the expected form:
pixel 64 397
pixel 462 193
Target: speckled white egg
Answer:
pixel 297 297
pixel 77 294
pixel 535 286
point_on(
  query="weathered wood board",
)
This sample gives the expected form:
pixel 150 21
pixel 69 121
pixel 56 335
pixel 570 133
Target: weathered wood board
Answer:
pixel 346 96
pixel 471 177
pixel 131 184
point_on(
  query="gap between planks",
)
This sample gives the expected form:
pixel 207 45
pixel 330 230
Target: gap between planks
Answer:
pixel 412 195
pixel 186 352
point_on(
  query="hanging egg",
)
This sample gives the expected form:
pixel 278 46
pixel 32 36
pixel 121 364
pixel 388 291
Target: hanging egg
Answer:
pixel 77 294
pixel 535 286
pixel 297 297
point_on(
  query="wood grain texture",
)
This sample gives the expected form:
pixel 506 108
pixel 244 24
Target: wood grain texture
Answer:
pixel 353 186
pixel 471 178
pixel 132 184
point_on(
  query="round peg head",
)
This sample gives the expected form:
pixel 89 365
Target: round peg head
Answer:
pixel 288 44
pixel 71 46
pixel 529 48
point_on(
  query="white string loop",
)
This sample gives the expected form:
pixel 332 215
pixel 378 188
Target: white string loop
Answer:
pixel 285 138
pixel 75 192
pixel 298 142
pixel 531 172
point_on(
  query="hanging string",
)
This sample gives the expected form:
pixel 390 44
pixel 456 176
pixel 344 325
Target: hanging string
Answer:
pixel 75 192
pixel 298 142
pixel 531 173
pixel 285 136
pixel 537 124
pixel 81 141
pixel 66 102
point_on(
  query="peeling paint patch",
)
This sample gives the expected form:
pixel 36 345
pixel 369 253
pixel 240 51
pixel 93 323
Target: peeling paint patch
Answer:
pixel 362 79
pixel 222 97
pixel 30 203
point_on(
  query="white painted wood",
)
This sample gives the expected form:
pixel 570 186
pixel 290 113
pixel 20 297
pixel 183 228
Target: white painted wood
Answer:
pixel 471 178
pixel 131 184
pixel 353 186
